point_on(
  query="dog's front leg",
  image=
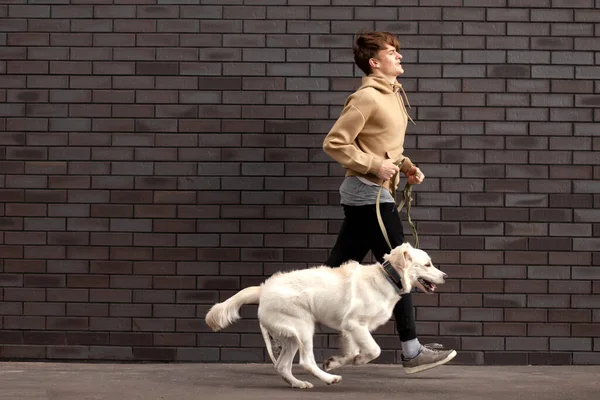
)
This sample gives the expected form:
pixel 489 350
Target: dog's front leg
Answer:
pixel 369 349
pixel 349 351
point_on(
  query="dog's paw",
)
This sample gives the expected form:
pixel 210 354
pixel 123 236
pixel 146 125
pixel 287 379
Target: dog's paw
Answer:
pixel 303 385
pixel 360 360
pixel 331 363
pixel 335 379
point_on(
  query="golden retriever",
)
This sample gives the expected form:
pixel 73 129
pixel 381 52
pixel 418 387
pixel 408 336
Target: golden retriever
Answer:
pixel 354 299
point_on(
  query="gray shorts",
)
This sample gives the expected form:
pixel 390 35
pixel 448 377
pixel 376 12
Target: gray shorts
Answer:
pixel 353 192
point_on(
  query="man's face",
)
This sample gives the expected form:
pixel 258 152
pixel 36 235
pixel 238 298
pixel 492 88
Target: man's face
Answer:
pixel 388 62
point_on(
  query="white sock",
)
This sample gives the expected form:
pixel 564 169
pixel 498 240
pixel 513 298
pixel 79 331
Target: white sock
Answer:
pixel 411 348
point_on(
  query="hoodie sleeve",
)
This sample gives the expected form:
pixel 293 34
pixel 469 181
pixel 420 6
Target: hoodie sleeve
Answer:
pixel 405 164
pixel 340 143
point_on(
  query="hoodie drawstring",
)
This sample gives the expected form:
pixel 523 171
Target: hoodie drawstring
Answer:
pixel 403 106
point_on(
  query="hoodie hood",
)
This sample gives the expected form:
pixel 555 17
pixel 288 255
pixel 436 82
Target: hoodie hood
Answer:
pixel 382 85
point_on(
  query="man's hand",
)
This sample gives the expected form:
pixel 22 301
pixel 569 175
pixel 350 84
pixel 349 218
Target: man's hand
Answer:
pixel 387 170
pixel 414 175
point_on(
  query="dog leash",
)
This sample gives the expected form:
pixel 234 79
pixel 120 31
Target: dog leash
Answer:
pixel 406 198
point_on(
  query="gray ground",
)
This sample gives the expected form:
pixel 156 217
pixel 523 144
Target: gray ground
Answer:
pixel 79 381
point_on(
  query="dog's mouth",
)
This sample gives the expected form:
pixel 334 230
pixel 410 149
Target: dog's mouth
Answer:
pixel 427 286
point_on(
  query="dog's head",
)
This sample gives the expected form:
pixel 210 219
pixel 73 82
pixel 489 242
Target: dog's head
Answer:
pixel 415 268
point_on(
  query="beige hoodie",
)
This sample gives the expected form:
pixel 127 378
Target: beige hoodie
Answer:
pixel 370 128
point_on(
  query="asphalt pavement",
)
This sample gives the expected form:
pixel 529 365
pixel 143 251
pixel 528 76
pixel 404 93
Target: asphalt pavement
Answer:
pixel 159 381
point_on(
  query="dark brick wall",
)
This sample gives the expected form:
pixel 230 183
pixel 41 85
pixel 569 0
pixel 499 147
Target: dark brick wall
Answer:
pixel 159 155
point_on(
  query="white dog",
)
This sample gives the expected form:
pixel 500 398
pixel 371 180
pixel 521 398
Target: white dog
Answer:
pixel 354 299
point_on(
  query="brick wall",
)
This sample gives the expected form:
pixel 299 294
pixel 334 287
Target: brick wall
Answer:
pixel 159 155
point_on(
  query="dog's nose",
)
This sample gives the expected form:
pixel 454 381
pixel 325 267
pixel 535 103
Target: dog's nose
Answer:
pixel 445 276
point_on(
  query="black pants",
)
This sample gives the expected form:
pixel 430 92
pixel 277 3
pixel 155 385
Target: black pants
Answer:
pixel 360 233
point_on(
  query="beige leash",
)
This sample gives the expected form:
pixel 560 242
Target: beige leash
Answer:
pixel 406 198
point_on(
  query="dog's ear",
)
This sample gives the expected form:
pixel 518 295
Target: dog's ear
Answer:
pixel 407 255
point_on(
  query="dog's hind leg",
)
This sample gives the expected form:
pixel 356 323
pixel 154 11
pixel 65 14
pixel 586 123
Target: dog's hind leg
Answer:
pixel 283 365
pixel 265 335
pixel 307 357
pixel 349 352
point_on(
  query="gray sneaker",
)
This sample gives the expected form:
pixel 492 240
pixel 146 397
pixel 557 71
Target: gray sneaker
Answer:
pixel 430 356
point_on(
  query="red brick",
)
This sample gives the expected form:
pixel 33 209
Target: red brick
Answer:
pixel 483 286
pixel 113 68
pixel 60 238
pixel 67 295
pixel 87 310
pixel 11 337
pixel 154 239
pixel 173 311
pixel 87 338
pixel 44 252
pixel 154 353
pixel 47 338
pixel 110 267
pixel 153 296
pixel 131 282
pixel 111 239
pixel 505 358
pixel 553 358
pixel 111 210
pixel 24 210
pixel 11 195
pixel 24 294
pixel 11 308
pixel 585 301
pixel 531 343
pixel 154 268
pixel 176 254
pixel 572 315
pixel 24 323
pixel 115 325
pixel 460 328
pixel 191 296
pixel 175 339
pixel 87 281
pixel 24 351
pixel 68 266
pixel 153 324
pixel 575 287
pixel 526 286
pixel 548 329
pixel 482 343
pixel 12 280
pixel 548 301
pixel 155 211
pixel 43 281
pixel 125 196
pixel 110 295
pixel 87 252
pixel 130 253
pixel 67 323
pixel 25 266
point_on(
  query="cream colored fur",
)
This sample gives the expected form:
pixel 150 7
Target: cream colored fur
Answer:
pixel 354 299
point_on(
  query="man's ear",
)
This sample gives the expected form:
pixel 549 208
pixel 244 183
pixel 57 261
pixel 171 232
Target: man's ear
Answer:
pixel 373 63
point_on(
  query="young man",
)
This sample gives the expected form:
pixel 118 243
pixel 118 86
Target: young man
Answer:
pixel 368 140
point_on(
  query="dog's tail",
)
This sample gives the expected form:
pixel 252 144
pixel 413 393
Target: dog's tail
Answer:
pixel 221 315
pixel 265 336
